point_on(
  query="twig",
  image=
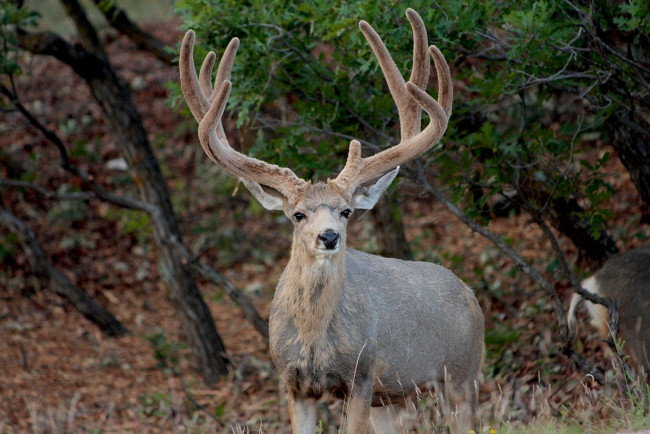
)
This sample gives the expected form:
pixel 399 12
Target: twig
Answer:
pixel 24 356
pixel 276 123
pixel 49 134
pixel 55 195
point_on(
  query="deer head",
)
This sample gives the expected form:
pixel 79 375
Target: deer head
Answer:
pixel 320 211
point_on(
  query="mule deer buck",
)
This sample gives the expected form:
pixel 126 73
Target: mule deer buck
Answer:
pixel 624 277
pixel 363 328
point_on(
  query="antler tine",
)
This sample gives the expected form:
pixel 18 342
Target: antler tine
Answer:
pixel 194 96
pixel 208 104
pixel 410 99
pixel 223 73
pixel 408 110
pixel 445 85
pixel 205 76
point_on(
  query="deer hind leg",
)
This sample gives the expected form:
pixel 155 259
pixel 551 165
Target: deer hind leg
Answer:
pixel 463 406
pixel 303 415
pixel 384 420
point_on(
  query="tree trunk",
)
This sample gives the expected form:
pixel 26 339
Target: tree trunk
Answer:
pixel 195 317
pixel 564 215
pixel 390 229
pixel 57 281
pixel 114 97
pixel 630 139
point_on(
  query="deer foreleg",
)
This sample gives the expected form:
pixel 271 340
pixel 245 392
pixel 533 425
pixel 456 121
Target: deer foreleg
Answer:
pixel 303 415
pixel 384 420
pixel 359 409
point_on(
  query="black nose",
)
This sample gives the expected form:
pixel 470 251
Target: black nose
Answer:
pixel 329 239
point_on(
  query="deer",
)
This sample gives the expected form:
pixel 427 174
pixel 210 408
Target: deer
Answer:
pixel 369 330
pixel 624 277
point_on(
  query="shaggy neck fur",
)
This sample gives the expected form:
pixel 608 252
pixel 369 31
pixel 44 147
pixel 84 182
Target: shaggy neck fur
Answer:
pixel 314 286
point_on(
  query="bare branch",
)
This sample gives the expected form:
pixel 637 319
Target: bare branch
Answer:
pixel 4 183
pixel 57 281
pixel 114 97
pixel 559 76
pixel 277 123
pixel 213 276
pixel 49 134
pixel 89 36
pixel 143 40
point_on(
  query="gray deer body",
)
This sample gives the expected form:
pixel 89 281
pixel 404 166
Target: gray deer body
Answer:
pixel 360 327
pixel 368 329
pixel 392 324
pixel 624 277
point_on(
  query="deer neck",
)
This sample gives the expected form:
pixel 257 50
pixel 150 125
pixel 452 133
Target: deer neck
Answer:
pixel 314 285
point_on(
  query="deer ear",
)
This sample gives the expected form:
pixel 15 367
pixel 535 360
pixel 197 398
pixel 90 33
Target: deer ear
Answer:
pixel 269 197
pixel 366 196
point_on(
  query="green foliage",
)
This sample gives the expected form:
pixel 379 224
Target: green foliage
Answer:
pixel 634 17
pixel 132 222
pixel 12 16
pixel 533 79
pixel 90 151
pixel 157 404
pixel 8 248
pixel 165 352
pixel 499 343
pixel 540 85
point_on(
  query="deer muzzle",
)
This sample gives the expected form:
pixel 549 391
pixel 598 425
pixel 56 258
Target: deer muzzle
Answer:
pixel 329 239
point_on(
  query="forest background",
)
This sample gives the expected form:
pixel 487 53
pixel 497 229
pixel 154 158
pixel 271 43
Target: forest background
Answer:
pixel 137 276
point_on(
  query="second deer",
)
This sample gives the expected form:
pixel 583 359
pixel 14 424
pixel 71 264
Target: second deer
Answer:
pixel 364 328
pixel 624 277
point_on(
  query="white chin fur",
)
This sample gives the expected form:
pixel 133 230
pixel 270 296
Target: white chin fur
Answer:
pixel 326 253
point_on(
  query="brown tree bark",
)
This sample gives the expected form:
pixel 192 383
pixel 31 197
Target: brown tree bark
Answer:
pixel 631 140
pixel 114 97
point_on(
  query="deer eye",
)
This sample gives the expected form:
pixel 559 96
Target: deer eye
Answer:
pixel 346 213
pixel 299 216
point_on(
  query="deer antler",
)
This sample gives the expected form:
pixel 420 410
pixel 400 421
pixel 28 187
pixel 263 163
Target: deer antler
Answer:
pixel 410 99
pixel 207 105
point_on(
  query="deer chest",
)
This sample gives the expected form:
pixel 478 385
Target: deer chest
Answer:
pixel 311 370
pixel 314 383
